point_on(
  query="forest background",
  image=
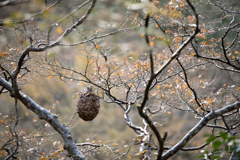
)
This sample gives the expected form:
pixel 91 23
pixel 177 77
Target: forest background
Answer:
pixel 59 95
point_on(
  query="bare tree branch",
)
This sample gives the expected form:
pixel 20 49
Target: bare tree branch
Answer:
pixel 52 119
pixel 198 127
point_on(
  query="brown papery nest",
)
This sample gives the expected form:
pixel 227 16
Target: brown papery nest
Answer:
pixel 88 104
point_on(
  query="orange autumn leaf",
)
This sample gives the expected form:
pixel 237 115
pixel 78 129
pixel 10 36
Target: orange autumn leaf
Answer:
pixel 3 54
pixel 96 46
pixel 138 64
pixel 49 77
pixel 89 61
pixel 151 44
pixel 59 29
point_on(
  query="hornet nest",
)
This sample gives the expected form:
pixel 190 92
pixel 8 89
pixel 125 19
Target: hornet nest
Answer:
pixel 88 104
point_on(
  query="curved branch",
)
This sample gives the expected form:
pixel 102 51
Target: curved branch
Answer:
pixel 153 76
pixel 198 127
pixel 11 3
pixel 52 119
pixel 191 148
pixel 55 43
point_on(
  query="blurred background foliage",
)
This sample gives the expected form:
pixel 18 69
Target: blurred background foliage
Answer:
pixel 60 97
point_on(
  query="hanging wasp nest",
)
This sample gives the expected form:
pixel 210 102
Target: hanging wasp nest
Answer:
pixel 88 104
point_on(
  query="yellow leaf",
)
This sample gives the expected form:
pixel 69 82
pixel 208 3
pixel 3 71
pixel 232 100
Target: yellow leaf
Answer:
pixel 138 64
pixel 7 21
pixel 59 30
pixel 148 64
pixel 26 114
pixel 89 61
pixel 96 46
pixel 49 77
pixel 151 44
pixel 4 152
